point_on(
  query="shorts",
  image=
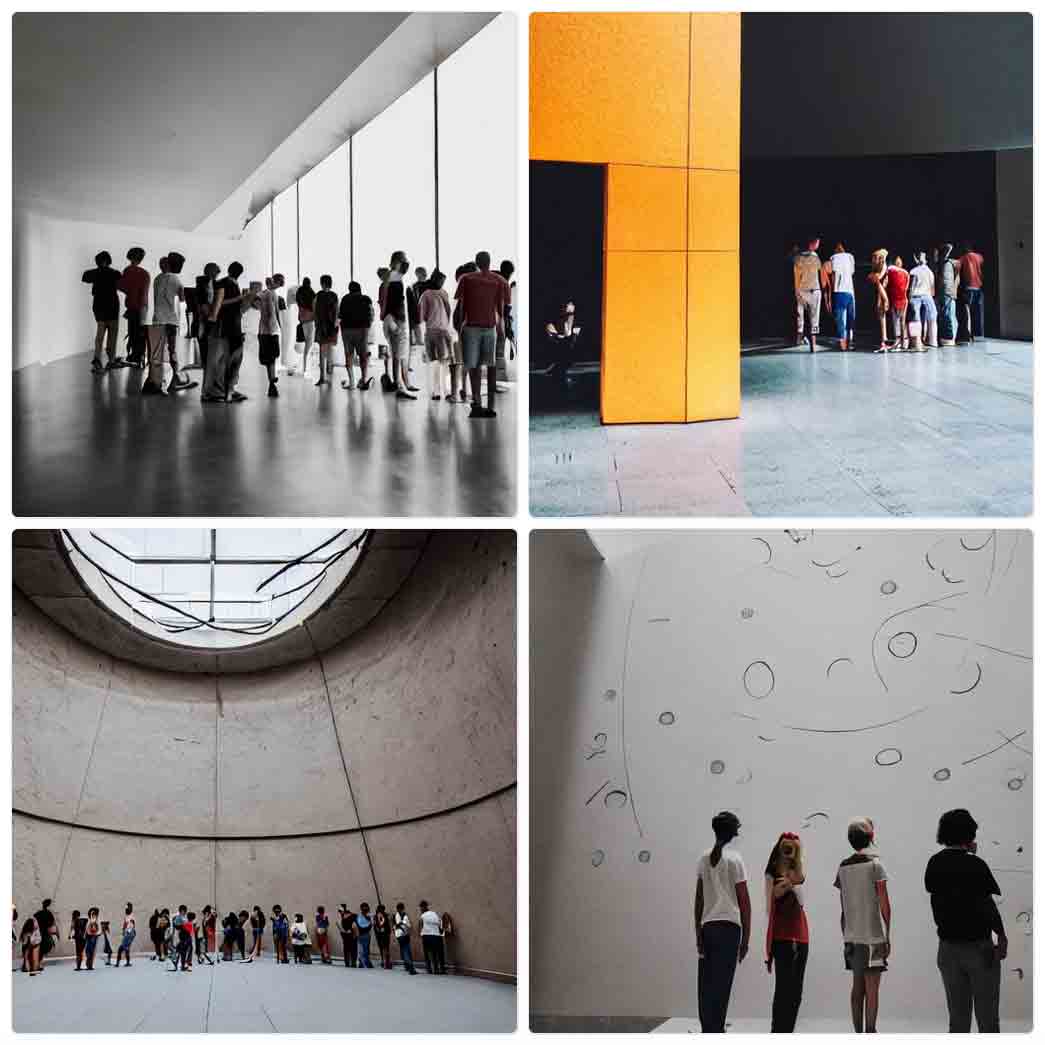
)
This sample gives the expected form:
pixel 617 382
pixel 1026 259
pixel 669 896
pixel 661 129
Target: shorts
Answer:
pixel 355 339
pixel 479 346
pixel 257 934
pixel 456 349
pixel 268 348
pixel 865 957
pixel 438 345
pixel 397 334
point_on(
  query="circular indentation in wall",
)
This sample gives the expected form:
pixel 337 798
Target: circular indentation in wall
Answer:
pixel 759 680
pixel 610 694
pixel 1015 783
pixel 666 718
pixel 597 858
pixel 889 756
pixel 718 767
pixel 644 856
pixel 888 588
pixel 615 799
pixel 1019 849
pixel 942 775
pixel 747 613
pixel 903 644
pixel 600 739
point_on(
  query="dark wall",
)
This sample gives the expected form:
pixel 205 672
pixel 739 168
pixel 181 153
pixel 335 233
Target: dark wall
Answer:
pixel 881 84
pixel 566 233
pixel 901 203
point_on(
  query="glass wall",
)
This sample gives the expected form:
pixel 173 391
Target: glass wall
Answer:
pixel 477 148
pixel 324 220
pixel 393 159
pixel 285 234
pixel 256 245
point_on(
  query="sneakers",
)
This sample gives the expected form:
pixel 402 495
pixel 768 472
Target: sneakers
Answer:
pixel 97 368
pixel 412 388
pixel 347 385
pixel 322 380
pixel 211 399
pixel 150 388
pixel 237 397
pixel 387 384
pixel 482 411
pixel 402 393
pixel 273 392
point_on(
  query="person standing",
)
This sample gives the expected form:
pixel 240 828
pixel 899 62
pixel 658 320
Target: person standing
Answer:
pixel 413 313
pixel 280 929
pixel 897 282
pixel 807 292
pixel 356 316
pixel 127 933
pixel 484 297
pixel 349 943
pixel 300 941
pixel 923 308
pixel 877 278
pixel 326 313
pixel 223 368
pixel 30 940
pixel 395 322
pixel 92 932
pixel 48 927
pixel 722 917
pixel 787 931
pixel 106 942
pixel 947 277
pixel 134 284
pixel 270 329
pixel 971 269
pixel 383 935
pixel 78 934
pixel 431 939
pixel 863 889
pixel 458 378
pixel 401 928
pixel 838 274
pixel 105 306
pixel 305 299
pixel 257 933
pixel 436 314
pixel 363 928
pixel 323 934
pixel 167 292
pixel 973 942
pixel 506 338
pixel 205 936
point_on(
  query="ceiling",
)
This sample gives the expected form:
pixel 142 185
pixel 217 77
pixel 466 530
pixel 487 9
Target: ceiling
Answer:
pixel 155 119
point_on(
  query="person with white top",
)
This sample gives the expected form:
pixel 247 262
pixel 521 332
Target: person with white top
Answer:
pixel 722 918
pixel 922 306
pixel 866 915
pixel 167 293
pixel 401 928
pixel 432 939
pixel 270 329
pixel 436 313
pixel 837 275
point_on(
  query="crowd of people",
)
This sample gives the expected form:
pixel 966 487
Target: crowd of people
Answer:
pixel 921 304
pixel 961 887
pixel 461 340
pixel 184 935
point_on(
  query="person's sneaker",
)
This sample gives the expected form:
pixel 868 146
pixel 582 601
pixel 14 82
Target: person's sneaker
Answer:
pixel 482 411
pixel 237 397
pixel 211 399
pixel 387 384
pixel 436 396
pixel 463 396
pixel 273 391
pixel 402 393
pixel 412 388
pixel 347 385
pixel 322 380
pixel 96 367
pixel 500 387
pixel 150 388
pixel 364 386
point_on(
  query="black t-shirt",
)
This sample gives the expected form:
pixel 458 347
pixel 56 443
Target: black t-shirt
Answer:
pixel 230 317
pixel 326 310
pixel 356 311
pixel 80 929
pixel 961 887
pixel 105 302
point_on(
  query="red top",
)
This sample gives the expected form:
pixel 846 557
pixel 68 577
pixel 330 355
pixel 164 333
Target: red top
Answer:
pixel 485 296
pixel 896 284
pixel 135 284
pixel 971 267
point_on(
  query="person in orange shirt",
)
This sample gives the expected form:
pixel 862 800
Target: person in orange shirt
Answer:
pixel 485 298
pixel 134 285
pixel 970 270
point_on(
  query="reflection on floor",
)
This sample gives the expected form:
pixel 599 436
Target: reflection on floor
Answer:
pixel 87 445
pixel 258 998
pixel 942 433
pixel 691 1025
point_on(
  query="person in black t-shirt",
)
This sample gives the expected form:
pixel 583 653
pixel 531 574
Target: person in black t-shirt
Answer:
pixel 105 303
pixel 219 385
pixel 356 316
pixel 962 890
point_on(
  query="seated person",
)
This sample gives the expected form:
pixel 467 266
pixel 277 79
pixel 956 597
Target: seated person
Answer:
pixel 565 327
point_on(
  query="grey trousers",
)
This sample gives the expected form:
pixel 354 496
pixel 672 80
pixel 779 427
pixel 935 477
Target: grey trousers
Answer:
pixel 971 976
pixel 807 301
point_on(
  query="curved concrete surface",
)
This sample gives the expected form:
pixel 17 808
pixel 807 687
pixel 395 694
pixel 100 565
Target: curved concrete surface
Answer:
pixel 381 765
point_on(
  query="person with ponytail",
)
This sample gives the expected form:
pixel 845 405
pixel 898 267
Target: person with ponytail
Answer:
pixel 787 932
pixel 722 918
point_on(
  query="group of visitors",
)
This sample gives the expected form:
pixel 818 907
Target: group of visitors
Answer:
pixel 460 338
pixel 920 304
pixel 180 937
pixel 961 887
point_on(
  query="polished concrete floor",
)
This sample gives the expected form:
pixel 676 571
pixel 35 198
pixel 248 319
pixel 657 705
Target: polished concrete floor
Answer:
pixel 92 446
pixel 259 998
pixel 942 433
pixel 886 1024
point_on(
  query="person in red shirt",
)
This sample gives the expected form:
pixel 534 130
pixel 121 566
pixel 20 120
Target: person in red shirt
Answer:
pixel 970 272
pixel 787 931
pixel 134 285
pixel 897 280
pixel 485 297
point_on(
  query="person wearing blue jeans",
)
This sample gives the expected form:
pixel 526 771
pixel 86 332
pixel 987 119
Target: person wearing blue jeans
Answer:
pixel 837 279
pixel 947 295
pixel 971 267
pixel 401 921
pixel 921 292
pixel 363 927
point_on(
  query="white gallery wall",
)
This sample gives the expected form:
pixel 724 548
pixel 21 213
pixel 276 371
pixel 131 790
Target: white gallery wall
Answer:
pixel 52 315
pixel 797 678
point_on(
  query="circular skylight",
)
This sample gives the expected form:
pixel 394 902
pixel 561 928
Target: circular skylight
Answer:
pixel 213 589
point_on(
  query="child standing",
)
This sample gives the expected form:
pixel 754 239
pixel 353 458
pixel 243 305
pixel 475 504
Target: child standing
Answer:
pixel 323 935
pixel 106 943
pixel 866 916
pixel 897 280
pixel 78 934
pixel 127 935
pixel 300 941
pixel 280 929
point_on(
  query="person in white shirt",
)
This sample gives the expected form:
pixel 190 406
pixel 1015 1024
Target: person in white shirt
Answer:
pixel 270 328
pixel 167 294
pixel 301 941
pixel 436 313
pixel 921 293
pixel 432 939
pixel 722 918
pixel 401 928
pixel 840 298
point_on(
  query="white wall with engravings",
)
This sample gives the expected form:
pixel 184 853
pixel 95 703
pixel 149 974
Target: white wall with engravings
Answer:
pixel 798 678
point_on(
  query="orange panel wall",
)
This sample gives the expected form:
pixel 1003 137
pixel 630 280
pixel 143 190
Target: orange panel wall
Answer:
pixel 656 98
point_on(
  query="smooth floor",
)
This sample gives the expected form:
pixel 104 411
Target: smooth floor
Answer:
pixel 886 1024
pixel 92 446
pixel 258 998
pixel 942 433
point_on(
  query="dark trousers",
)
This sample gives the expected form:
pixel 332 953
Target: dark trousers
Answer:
pixel 971 976
pixel 135 335
pixel 973 297
pixel 789 960
pixel 349 948
pixel 715 973
pixel 435 954
pixel 88 949
pixel 405 954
